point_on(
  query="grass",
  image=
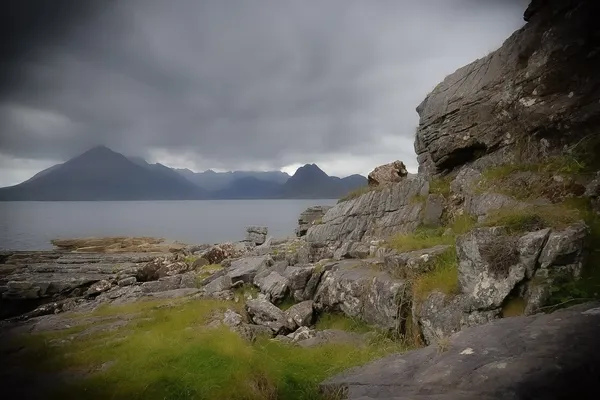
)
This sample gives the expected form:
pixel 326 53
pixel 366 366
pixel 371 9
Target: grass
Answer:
pixel 190 259
pixel 286 303
pixel 422 238
pixel 462 223
pixel 245 291
pixel 169 354
pixel 204 272
pixel 418 199
pixel 443 277
pixel 333 320
pixel 533 218
pixel 440 186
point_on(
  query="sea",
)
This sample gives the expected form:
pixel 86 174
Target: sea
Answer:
pixel 32 225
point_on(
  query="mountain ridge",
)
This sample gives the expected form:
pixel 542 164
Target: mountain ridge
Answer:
pixel 101 174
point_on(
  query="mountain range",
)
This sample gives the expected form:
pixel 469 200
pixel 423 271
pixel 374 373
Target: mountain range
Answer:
pixel 103 174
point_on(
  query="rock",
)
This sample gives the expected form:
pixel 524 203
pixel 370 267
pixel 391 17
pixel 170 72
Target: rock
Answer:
pixel 410 264
pixel 127 281
pixel 491 263
pixel 217 254
pixel 301 313
pixel 375 215
pixel 434 207
pixel 332 336
pixel 466 181
pixel 538 81
pixel 494 267
pixel 480 205
pixel 189 280
pixel 173 269
pixel 561 260
pixel 510 358
pixel 161 285
pixel 231 318
pixel 440 316
pixel 98 287
pixel 273 285
pixel 262 312
pixel 309 216
pixel 264 248
pixel 302 333
pixel 592 190
pixel 245 269
pixel 120 295
pixel 351 250
pixel 362 292
pixel 298 277
pixel 218 285
pixel 251 332
pixel 256 234
pixel 388 173
pixel 150 271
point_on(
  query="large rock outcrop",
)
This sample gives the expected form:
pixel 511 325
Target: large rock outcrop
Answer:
pixel 496 268
pixel 537 92
pixel 538 357
pixel 374 215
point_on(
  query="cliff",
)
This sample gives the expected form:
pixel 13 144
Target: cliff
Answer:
pixel 535 94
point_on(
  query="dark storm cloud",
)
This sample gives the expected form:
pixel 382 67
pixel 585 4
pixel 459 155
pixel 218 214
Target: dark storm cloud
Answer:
pixel 240 84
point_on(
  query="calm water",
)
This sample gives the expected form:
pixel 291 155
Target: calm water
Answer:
pixel 31 225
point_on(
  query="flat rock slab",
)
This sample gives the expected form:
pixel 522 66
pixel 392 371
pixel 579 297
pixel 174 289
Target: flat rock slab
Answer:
pixel 545 356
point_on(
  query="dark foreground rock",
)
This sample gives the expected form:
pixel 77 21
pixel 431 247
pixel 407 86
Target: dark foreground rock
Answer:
pixel 545 356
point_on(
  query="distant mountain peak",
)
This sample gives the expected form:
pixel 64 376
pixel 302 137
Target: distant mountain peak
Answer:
pixel 310 169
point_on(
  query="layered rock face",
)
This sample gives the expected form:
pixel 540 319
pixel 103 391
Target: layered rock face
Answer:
pixel 309 217
pixel 534 94
pixel 376 214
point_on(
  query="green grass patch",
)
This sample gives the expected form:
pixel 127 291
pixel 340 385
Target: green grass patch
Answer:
pixel 440 185
pixel 204 272
pixel 532 218
pixel 418 199
pixel 287 303
pixel 442 277
pixel 462 223
pixel 422 238
pixel 169 354
pixel 190 259
pixel 246 291
pixel 334 320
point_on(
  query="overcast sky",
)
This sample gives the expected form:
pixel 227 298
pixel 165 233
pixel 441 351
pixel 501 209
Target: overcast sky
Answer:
pixel 238 84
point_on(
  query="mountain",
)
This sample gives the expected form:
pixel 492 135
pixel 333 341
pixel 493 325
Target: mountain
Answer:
pixel 249 188
pixel 310 182
pixel 102 174
pixel 161 169
pixel 216 181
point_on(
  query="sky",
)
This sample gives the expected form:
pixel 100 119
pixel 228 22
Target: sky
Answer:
pixel 232 85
